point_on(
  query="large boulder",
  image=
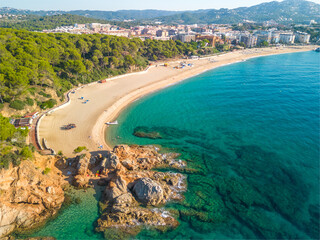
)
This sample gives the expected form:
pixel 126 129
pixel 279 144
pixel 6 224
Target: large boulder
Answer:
pixel 83 164
pixel 129 164
pixel 115 189
pixel 110 162
pixel 113 161
pixel 81 181
pixel 148 191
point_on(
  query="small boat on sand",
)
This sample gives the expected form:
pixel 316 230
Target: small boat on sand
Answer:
pixel 112 123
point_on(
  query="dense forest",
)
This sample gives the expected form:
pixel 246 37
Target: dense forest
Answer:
pixel 32 62
pixel 39 23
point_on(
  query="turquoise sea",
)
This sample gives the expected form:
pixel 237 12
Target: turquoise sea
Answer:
pixel 250 131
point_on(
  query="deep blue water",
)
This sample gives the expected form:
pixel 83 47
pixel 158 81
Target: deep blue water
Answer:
pixel 250 130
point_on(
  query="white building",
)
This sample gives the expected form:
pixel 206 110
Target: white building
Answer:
pixel 287 38
pixel 302 37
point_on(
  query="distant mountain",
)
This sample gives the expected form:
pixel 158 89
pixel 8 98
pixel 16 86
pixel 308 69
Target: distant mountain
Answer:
pixel 288 11
pixel 105 15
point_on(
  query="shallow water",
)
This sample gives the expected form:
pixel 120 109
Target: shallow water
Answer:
pixel 251 132
pixel 76 221
pixel 251 129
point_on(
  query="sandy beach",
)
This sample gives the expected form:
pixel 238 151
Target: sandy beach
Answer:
pixel 107 100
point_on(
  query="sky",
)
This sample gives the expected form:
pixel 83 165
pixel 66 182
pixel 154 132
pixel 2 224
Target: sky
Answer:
pixel 112 5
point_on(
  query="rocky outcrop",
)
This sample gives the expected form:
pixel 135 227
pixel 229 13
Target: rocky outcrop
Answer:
pixel 112 162
pixel 81 181
pixel 131 200
pixel 83 163
pixel 148 191
pixel 28 197
pixel 132 185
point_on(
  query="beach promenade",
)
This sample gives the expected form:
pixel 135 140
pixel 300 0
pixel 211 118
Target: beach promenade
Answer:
pixel 107 100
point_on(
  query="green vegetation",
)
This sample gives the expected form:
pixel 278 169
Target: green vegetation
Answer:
pixel 288 11
pixel 32 62
pixel 313 30
pixel 29 101
pixel 80 149
pixel 7 130
pixel 13 148
pixel 264 44
pixel 223 47
pixel 39 23
pixel 46 171
pixel 48 104
pixel 17 104
pixel 44 94
pixel 26 152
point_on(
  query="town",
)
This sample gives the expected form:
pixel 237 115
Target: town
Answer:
pixel 214 33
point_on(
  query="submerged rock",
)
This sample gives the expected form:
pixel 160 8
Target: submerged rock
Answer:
pixel 144 132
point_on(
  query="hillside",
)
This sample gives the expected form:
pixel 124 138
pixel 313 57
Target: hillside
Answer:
pixel 288 11
pixel 106 15
pixel 39 23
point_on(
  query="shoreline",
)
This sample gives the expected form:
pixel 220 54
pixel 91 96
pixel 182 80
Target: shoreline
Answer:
pixel 113 97
pixel 121 108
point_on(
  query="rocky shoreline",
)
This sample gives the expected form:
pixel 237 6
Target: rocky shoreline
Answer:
pixel 133 197
pixel 134 192
pixel 28 195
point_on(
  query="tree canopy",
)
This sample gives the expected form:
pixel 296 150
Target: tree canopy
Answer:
pixel 61 61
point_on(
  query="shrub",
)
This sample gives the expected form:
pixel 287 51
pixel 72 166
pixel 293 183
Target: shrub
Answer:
pixel 29 101
pixel 48 104
pixel 1 105
pixel 18 139
pixel 17 104
pixel 6 128
pixel 45 94
pixel 16 161
pixel 32 90
pixel 79 149
pixel 23 131
pixel 5 150
pixel 4 162
pixel 26 153
pixel 46 171
pixel 60 153
pixel 6 159
pixel 32 148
